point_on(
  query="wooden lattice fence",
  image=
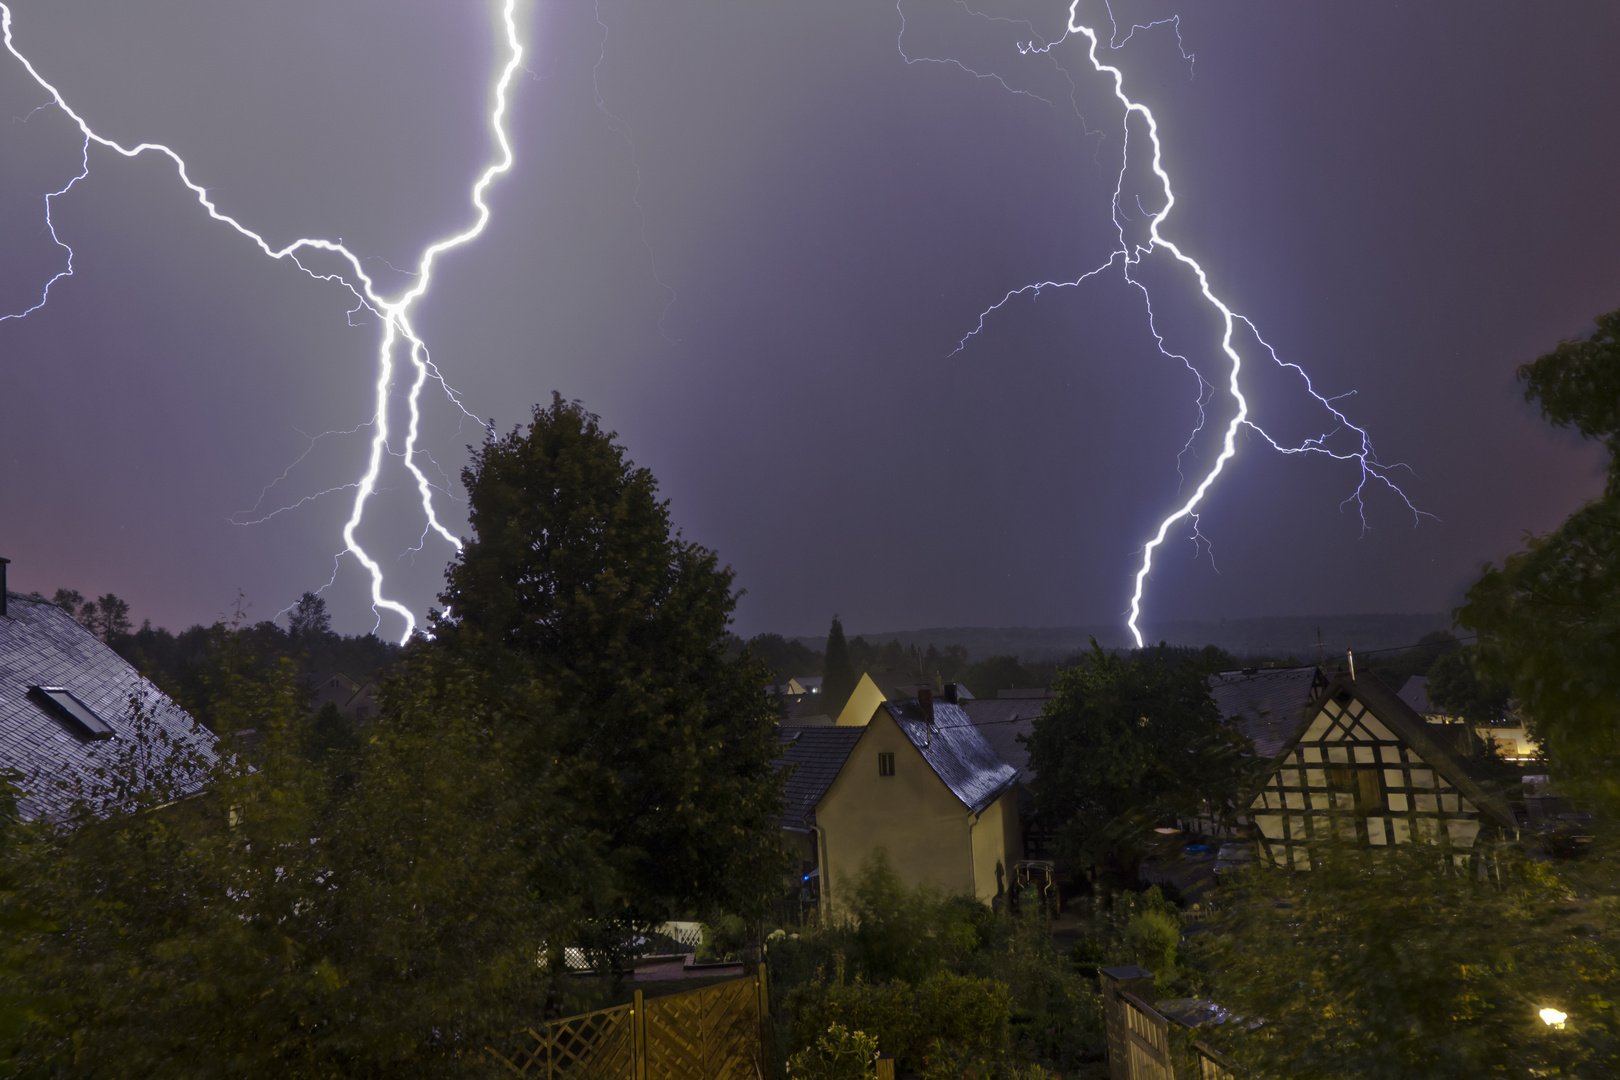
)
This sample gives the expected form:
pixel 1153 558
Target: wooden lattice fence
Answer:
pixel 711 1033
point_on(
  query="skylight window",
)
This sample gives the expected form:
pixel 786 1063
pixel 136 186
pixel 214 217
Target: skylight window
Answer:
pixel 82 716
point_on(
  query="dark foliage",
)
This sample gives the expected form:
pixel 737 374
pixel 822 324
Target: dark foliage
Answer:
pixel 1127 745
pixel 786 659
pixel 367 914
pixel 1548 618
pixel 1397 962
pixel 839 678
pixel 576 590
pixel 988 676
pixel 1457 689
pixel 943 983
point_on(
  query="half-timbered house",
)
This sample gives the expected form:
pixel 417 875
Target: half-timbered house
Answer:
pixel 1363 766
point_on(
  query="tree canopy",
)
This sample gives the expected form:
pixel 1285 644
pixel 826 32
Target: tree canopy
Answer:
pixel 1396 963
pixel 839 678
pixel 576 585
pixel 1127 745
pixel 1548 618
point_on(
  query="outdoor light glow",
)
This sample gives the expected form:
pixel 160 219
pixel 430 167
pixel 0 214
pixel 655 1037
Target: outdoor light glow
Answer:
pixel 1553 1018
pixel 1126 256
pixel 395 313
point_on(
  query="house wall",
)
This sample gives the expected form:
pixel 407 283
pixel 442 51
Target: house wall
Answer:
pixel 862 704
pixel 1350 778
pixel 912 815
pixel 998 841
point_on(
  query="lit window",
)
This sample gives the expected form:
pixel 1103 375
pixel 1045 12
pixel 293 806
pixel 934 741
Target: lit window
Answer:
pixel 885 764
pixel 81 716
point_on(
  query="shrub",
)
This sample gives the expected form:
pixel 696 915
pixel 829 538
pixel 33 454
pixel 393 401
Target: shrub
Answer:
pixel 970 1015
pixel 838 1054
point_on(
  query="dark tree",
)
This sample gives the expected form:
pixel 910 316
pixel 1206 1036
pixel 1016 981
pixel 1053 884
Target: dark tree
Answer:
pixel 107 617
pixel 308 617
pixel 1458 690
pixel 787 659
pixel 575 583
pixel 1125 746
pixel 1548 618
pixel 838 677
pixel 996 673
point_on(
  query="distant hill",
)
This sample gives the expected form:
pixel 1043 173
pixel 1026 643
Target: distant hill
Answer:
pixel 1280 636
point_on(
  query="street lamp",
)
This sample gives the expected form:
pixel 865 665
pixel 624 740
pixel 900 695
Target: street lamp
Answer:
pixel 1553 1018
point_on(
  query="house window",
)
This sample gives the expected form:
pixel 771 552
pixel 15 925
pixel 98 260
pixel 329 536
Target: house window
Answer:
pixel 81 717
pixel 885 764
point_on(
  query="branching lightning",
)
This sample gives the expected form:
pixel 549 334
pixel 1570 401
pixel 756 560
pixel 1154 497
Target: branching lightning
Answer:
pixel 1127 256
pixel 395 313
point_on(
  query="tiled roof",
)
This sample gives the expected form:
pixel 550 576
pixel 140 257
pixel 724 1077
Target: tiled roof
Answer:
pixel 955 750
pixel 897 685
pixel 797 707
pixel 42 645
pixel 1001 721
pixel 1266 705
pixel 1416 694
pixel 815 755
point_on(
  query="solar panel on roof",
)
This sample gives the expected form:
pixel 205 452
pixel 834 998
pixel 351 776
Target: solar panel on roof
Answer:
pixel 91 725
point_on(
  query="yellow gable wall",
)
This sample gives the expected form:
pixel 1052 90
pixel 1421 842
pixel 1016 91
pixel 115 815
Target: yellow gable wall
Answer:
pixel 862 704
pixel 927 832
pixel 998 842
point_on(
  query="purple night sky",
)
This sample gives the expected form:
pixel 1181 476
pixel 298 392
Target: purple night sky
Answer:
pixel 750 235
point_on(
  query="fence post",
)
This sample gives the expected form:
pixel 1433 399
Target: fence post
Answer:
pixel 885 1067
pixel 1128 979
pixel 638 1038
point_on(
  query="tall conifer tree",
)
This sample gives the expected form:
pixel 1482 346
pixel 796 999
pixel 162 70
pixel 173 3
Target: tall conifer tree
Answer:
pixel 838 675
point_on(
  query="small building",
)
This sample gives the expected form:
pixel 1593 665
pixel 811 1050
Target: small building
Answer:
pixel 1507 737
pixel 922 784
pixel 354 699
pixel 1361 765
pixel 68 706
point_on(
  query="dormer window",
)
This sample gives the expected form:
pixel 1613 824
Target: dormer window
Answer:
pixel 74 714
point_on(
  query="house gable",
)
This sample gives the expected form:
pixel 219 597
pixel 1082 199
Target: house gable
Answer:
pixel 858 710
pixel 909 812
pixel 1360 767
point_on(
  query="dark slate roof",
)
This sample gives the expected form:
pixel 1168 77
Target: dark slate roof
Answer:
pixel 956 752
pixel 42 645
pixel 1001 721
pixel 1416 695
pixel 1267 704
pixel 898 685
pixel 796 708
pixel 815 755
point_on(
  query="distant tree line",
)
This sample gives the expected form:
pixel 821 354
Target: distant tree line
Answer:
pixel 181 665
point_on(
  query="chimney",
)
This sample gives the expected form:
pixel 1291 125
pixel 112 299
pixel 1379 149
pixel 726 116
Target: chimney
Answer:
pixel 3 564
pixel 952 697
pixel 925 701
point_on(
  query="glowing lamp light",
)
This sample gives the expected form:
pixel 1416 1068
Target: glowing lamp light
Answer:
pixel 1553 1018
pixel 1166 831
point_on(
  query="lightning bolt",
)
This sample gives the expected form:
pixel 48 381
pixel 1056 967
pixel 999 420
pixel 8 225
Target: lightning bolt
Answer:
pixel 1125 257
pixel 395 313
